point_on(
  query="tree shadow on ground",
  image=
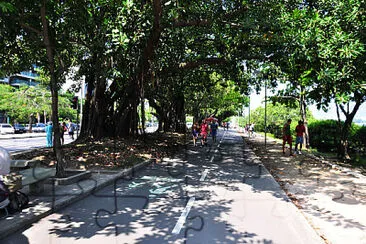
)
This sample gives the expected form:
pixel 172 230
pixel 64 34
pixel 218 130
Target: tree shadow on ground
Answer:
pixel 148 208
pixel 323 192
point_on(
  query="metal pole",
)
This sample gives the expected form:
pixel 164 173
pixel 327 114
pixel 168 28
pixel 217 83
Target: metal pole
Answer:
pixel 81 101
pixel 77 120
pixel 265 115
pixel 249 115
pixel 249 110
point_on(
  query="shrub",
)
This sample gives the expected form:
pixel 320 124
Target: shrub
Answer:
pixel 358 138
pixel 325 136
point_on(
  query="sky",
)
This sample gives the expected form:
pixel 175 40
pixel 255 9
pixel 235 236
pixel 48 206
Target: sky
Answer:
pixel 257 100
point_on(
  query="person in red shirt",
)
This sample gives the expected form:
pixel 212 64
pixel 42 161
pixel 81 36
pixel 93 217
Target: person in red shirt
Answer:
pixel 300 130
pixel 286 136
pixel 204 131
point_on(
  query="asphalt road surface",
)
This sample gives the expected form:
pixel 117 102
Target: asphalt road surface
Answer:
pixel 27 143
pixel 214 194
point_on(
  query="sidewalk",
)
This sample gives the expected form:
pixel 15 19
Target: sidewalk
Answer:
pixel 331 197
pixel 25 135
pixel 52 200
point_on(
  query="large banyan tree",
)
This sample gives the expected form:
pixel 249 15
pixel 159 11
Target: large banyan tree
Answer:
pixel 132 51
pixel 163 51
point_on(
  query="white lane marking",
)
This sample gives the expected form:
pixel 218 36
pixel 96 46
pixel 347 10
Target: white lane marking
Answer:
pixel 213 156
pixel 218 146
pixel 204 174
pixel 182 219
pixel 223 136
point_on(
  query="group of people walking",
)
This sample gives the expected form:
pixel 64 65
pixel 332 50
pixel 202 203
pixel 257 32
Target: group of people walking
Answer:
pixel 70 128
pixel 287 136
pixel 203 130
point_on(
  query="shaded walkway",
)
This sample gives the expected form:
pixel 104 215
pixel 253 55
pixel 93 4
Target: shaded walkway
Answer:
pixel 332 198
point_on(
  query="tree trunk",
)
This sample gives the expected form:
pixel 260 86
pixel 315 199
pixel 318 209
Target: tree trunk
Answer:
pixel 159 113
pixel 45 116
pixel 38 118
pixel 98 102
pixel 143 118
pixel 125 116
pixel 343 144
pixel 87 123
pixel 50 43
pixel 31 116
pixel 180 118
pixel 98 115
pixel 306 140
pixel 98 112
pixel 345 129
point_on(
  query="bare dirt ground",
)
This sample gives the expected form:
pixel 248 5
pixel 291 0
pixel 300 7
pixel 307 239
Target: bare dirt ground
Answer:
pixel 110 154
pixel 331 197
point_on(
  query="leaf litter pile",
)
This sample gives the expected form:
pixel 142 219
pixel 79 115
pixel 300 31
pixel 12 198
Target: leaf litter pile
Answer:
pixel 110 153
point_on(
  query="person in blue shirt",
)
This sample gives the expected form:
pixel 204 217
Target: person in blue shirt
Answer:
pixel 71 130
pixel 49 131
pixel 214 128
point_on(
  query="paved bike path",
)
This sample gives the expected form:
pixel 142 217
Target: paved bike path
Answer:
pixel 215 194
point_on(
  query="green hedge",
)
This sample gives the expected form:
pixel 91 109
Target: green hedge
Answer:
pixel 325 136
pixel 358 140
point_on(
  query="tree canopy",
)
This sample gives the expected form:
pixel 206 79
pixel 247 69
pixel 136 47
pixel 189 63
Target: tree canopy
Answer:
pixel 198 57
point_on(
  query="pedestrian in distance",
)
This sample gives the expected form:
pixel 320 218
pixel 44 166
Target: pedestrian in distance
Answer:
pixel 195 132
pixel 214 128
pixel 203 132
pixel 300 130
pixel 286 136
pixel 251 130
pixel 71 129
pixel 49 135
pixel 63 129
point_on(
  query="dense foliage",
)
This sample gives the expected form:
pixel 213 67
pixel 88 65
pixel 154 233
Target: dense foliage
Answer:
pixel 277 116
pixel 325 136
pixel 196 57
pixel 31 103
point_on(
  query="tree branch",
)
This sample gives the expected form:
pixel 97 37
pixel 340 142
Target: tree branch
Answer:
pixel 30 28
pixel 201 22
pixel 208 61
pixel 206 22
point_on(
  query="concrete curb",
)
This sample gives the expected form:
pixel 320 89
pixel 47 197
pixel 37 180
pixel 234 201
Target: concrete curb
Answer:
pixel 23 220
pixel 21 136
